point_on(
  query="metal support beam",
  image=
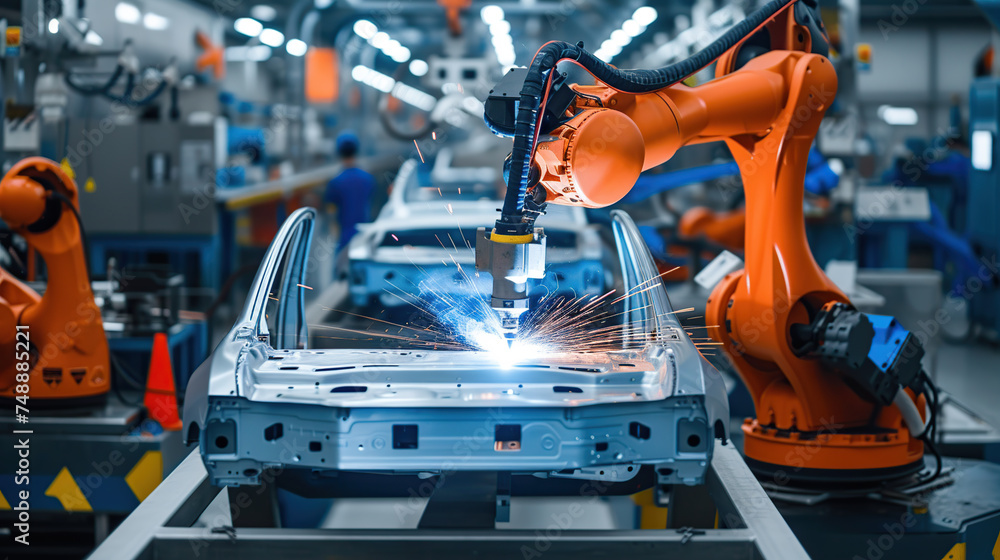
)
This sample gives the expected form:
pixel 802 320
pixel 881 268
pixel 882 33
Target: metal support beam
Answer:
pixel 742 502
pixel 161 528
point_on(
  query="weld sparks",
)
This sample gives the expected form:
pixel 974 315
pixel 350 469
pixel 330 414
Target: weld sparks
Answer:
pixel 453 314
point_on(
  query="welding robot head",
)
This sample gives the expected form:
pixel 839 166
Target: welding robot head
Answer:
pixel 511 261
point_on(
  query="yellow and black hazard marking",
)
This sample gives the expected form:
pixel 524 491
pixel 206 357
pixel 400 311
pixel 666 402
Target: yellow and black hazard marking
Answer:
pixel 110 478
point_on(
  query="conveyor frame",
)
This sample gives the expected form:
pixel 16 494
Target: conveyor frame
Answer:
pixel 161 528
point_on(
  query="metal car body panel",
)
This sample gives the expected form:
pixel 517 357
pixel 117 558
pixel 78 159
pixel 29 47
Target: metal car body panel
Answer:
pixel 264 401
pixel 379 267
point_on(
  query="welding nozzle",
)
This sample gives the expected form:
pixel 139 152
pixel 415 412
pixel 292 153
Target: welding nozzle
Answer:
pixel 511 261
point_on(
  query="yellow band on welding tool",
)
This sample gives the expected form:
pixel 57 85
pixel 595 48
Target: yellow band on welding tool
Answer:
pixel 511 239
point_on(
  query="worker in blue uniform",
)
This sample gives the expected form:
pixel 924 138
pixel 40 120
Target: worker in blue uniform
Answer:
pixel 351 191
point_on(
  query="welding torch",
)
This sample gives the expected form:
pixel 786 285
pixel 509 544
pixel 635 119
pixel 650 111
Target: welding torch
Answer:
pixel 586 145
pixel 511 260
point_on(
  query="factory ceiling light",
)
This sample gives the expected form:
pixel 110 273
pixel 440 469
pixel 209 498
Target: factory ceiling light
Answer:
pixel 500 28
pixel 248 26
pixel 323 4
pixel 898 116
pixel 92 38
pixel 373 78
pixel 272 37
pixel 491 14
pixel 700 35
pixel 621 38
pixel 401 54
pixel 263 12
pixel 380 40
pixel 633 28
pixel 365 29
pixel 385 84
pixel 127 13
pixel 256 53
pixel 503 44
pixel 297 47
pixel 156 22
pixel 53 26
pixel 418 67
pixel 645 15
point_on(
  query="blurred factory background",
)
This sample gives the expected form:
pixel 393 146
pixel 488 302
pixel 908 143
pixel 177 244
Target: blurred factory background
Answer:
pixel 193 128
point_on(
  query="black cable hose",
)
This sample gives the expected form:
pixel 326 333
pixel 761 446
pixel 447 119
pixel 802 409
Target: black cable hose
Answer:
pixel 96 90
pixel 930 433
pixel 153 95
pixel 628 81
pixel 126 97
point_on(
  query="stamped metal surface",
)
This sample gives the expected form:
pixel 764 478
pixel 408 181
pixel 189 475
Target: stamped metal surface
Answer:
pixel 264 401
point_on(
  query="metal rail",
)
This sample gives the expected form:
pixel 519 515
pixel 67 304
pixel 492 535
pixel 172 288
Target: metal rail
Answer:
pixel 161 528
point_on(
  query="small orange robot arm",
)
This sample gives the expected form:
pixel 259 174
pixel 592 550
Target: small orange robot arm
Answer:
pixel 725 228
pixel 68 348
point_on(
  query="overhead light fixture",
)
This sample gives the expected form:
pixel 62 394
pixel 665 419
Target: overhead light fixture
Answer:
pixel 400 54
pixel 982 150
pixel 491 14
pixel 633 28
pixel 256 53
pixel 92 38
pixel 386 84
pixel 688 37
pixel 630 29
pixel 156 22
pixel 503 44
pixel 418 67
pixel 263 12
pixel 323 4
pixel 898 116
pixel 500 40
pixel 365 29
pixel 373 78
pixel 500 28
pixel 297 47
pixel 272 37
pixel 53 26
pixel 413 96
pixel 645 15
pixel 248 26
pixel 127 13
pixel 620 38
pixel 379 40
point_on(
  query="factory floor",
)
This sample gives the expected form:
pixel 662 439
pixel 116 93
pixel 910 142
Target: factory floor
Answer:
pixel 970 372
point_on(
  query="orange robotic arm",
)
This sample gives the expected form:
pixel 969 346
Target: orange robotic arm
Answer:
pixel 67 350
pixel 768 112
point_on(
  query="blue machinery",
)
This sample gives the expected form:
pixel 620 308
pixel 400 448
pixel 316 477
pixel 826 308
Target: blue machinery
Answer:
pixel 984 197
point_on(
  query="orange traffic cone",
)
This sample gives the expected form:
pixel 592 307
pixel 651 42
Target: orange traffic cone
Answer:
pixel 161 397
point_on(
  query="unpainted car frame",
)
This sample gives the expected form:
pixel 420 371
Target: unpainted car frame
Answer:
pixel 263 400
pixel 413 242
